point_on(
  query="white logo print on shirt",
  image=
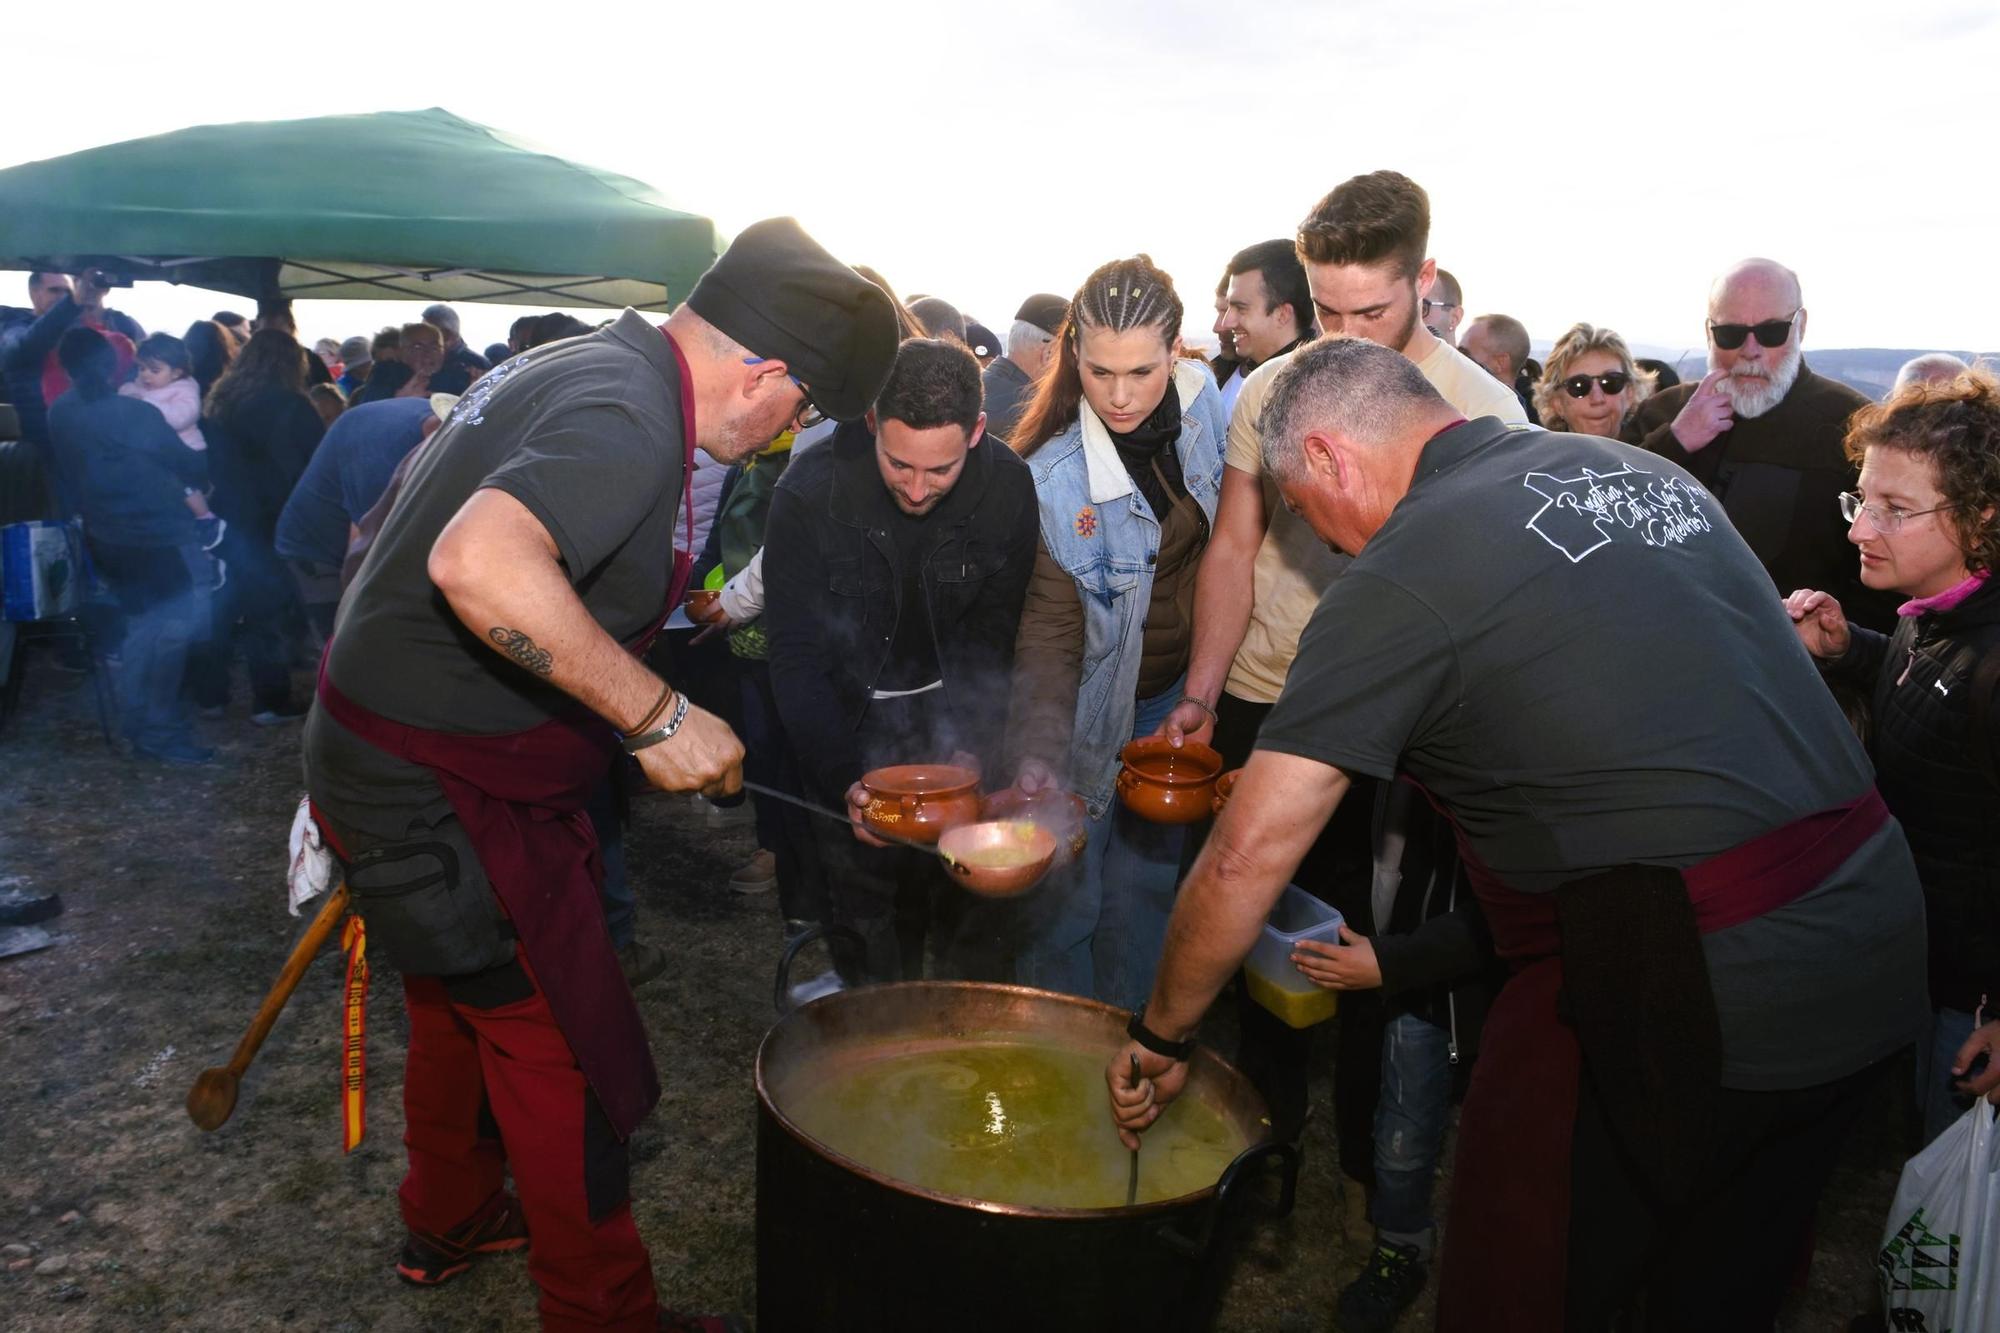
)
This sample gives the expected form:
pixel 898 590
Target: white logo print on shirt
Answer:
pixel 1587 512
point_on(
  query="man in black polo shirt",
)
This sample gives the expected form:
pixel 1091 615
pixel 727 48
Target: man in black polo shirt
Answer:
pixel 483 666
pixel 1572 651
pixel 896 559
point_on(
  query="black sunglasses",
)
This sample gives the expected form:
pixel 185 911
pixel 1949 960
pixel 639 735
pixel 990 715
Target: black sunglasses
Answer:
pixel 1613 383
pixel 1770 333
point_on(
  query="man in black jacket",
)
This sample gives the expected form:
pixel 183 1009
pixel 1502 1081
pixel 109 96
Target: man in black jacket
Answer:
pixel 896 559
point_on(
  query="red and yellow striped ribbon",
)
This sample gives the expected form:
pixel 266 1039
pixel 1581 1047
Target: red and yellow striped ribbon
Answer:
pixel 354 1030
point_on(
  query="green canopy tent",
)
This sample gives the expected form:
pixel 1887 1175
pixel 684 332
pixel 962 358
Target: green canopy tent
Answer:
pixel 398 205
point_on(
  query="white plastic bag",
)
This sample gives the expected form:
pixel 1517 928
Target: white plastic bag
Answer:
pixel 1938 1264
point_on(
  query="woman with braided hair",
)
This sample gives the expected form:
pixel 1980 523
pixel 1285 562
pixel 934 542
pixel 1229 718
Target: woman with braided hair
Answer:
pixel 1125 439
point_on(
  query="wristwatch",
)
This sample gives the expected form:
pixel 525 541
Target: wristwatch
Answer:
pixel 1153 1041
pixel 664 732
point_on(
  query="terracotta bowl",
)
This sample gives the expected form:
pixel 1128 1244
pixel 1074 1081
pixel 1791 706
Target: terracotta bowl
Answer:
pixel 1225 785
pixel 1062 813
pixel 998 858
pixel 1168 785
pixel 702 604
pixel 918 802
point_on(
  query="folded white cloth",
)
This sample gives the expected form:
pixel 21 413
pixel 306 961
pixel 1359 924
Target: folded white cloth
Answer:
pixel 312 867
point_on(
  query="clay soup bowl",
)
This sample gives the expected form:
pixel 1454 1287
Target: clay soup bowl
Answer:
pixel 1225 785
pixel 998 858
pixel 702 604
pixel 918 802
pixel 1062 813
pixel 1168 785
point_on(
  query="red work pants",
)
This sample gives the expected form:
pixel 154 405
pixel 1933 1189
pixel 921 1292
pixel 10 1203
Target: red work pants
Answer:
pixel 469 1057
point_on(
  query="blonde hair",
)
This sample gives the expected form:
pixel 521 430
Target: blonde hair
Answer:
pixel 1582 338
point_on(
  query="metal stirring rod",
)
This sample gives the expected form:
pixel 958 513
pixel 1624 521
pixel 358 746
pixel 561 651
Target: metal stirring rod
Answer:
pixel 1132 1181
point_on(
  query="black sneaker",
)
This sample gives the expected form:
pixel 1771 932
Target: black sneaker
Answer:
pixel 641 962
pixel 428 1259
pixel 1388 1286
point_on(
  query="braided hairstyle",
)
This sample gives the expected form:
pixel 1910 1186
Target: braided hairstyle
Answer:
pixel 1122 295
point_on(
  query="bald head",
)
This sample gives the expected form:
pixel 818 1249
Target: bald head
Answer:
pixel 1938 367
pixel 1764 283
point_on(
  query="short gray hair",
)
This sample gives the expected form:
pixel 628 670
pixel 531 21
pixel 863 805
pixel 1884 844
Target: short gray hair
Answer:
pixel 1024 336
pixel 443 316
pixel 1930 366
pixel 1357 388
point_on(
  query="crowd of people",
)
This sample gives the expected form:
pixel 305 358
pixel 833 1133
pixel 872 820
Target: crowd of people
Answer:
pixel 1643 732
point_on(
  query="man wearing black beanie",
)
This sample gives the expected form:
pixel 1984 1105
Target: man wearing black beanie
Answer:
pixel 483 672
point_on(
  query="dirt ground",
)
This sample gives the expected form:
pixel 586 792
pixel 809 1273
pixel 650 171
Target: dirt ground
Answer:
pixel 176 925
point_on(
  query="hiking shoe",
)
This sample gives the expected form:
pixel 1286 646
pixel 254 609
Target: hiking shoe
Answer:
pixel 428 1259
pixel 641 962
pixel 673 1321
pixel 756 875
pixel 277 717
pixel 1389 1285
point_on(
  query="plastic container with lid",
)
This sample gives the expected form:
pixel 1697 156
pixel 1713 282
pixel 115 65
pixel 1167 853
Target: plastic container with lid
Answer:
pixel 1273 980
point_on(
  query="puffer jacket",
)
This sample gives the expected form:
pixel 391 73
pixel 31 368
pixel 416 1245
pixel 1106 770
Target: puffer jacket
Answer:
pixel 1926 740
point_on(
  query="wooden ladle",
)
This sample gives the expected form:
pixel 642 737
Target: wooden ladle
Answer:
pixel 213 1097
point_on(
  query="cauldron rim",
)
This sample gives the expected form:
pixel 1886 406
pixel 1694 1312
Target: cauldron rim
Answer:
pixel 1204 1056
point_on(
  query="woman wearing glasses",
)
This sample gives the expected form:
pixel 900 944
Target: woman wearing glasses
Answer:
pixel 1927 523
pixel 1591 385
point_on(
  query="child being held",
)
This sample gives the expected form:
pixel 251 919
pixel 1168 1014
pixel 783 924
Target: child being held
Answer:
pixel 164 377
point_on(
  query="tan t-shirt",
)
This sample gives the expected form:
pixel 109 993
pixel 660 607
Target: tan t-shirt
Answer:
pixel 1293 565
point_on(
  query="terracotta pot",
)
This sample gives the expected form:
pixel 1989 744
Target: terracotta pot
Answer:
pixel 918 802
pixel 997 858
pixel 1062 813
pixel 702 604
pixel 1225 785
pixel 1168 785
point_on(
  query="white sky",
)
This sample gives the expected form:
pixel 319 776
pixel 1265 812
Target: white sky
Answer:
pixel 1592 160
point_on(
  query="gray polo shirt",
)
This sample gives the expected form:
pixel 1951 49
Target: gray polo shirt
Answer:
pixel 1567 643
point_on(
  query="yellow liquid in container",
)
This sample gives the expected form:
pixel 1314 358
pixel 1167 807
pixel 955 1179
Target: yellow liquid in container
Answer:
pixel 1299 1009
pixel 1009 1123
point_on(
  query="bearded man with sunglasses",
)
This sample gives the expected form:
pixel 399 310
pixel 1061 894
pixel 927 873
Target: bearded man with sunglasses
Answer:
pixel 1764 433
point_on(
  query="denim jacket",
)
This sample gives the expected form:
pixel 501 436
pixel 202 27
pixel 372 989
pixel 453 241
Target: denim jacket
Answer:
pixel 1098 527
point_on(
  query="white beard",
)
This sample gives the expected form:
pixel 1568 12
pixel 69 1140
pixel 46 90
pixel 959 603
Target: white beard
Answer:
pixel 1752 394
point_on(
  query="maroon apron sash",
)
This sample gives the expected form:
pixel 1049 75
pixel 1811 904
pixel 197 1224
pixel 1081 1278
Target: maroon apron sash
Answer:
pixel 1511 1178
pixel 521 798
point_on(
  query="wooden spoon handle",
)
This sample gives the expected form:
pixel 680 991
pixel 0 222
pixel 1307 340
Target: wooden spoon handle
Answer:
pixel 295 967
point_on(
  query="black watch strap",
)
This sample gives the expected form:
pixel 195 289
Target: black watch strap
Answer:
pixel 1153 1041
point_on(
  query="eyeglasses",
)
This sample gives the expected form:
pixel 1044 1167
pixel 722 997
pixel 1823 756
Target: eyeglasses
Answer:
pixel 1770 333
pixel 1430 305
pixel 809 414
pixel 1885 519
pixel 1613 383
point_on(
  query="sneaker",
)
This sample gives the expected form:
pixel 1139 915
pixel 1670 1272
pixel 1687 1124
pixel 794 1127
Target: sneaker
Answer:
pixel 220 569
pixel 641 962
pixel 756 875
pixel 1388 1286
pixel 673 1321
pixel 277 717
pixel 428 1259
pixel 211 529
pixel 805 992
pixel 186 754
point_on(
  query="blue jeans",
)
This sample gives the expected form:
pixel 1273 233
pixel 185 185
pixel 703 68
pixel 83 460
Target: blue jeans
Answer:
pixel 1939 1103
pixel 154 656
pixel 1409 1127
pixel 1098 927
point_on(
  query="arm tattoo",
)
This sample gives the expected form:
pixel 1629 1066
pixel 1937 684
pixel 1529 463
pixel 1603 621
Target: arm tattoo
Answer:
pixel 522 651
